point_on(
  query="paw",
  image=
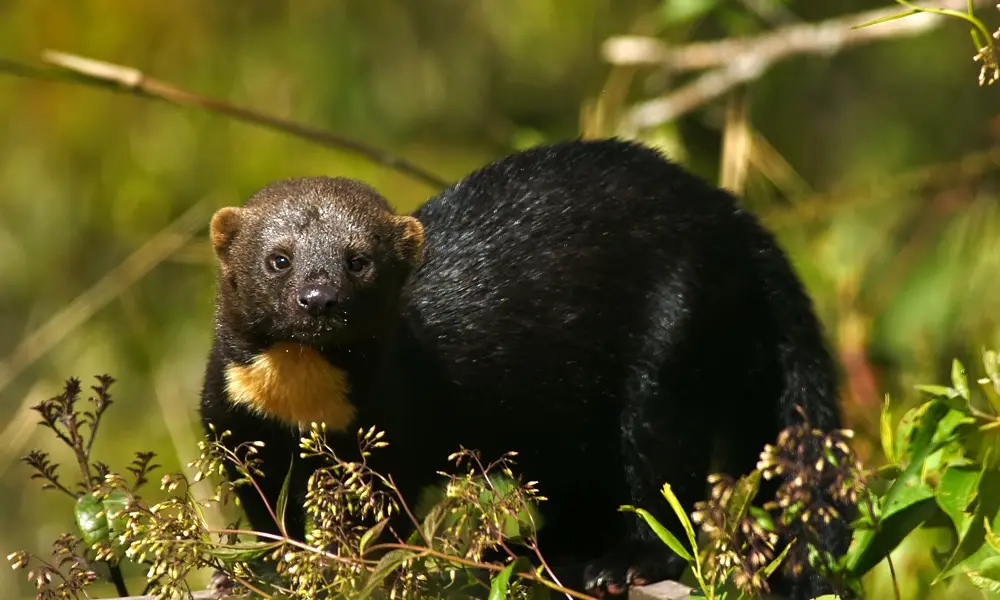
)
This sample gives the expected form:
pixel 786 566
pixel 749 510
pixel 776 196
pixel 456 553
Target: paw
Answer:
pixel 612 575
pixel 611 581
pixel 222 587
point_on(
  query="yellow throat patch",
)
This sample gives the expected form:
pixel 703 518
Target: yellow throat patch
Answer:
pixel 292 383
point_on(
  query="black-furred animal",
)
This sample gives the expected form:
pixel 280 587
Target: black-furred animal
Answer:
pixel 588 304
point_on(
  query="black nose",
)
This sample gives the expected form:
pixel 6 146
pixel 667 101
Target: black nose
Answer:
pixel 317 300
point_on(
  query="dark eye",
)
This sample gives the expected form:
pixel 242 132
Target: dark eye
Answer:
pixel 357 264
pixel 278 262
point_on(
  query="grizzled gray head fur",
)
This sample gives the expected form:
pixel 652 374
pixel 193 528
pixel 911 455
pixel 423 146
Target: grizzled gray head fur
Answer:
pixel 316 260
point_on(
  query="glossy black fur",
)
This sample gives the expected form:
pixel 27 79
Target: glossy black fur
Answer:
pixel 606 314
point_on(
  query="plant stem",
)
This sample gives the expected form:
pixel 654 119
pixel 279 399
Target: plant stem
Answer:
pixel 232 456
pixel 488 566
pixel 892 573
pixel 406 507
pixel 289 541
pixel 117 579
pixel 61 487
pixel 82 455
pixel 251 587
pixel 418 549
pixel 972 20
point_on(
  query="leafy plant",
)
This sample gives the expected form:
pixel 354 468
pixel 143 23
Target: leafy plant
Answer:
pixel 941 473
pixel 478 535
pixel 475 538
pixel 743 548
pixel 742 543
pixel 93 503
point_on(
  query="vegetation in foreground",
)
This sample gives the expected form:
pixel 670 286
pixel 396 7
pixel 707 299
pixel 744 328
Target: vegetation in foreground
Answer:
pixel 479 538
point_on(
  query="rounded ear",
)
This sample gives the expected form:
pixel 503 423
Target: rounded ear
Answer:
pixel 410 239
pixel 225 224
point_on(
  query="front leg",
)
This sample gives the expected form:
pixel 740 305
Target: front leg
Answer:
pixel 665 438
pixel 259 498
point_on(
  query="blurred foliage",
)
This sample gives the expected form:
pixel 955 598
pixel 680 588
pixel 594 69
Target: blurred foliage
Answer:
pixel 877 167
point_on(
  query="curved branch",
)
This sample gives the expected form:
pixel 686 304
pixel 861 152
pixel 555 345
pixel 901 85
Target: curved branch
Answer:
pixel 117 78
pixel 731 62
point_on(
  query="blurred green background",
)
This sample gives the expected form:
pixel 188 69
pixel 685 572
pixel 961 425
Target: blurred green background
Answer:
pixel 876 166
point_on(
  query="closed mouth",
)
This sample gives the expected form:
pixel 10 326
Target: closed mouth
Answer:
pixel 316 328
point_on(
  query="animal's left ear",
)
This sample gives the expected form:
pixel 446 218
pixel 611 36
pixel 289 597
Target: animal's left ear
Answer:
pixel 225 224
pixel 409 239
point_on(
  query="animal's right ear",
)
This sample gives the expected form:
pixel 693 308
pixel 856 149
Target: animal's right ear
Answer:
pixel 225 224
pixel 410 240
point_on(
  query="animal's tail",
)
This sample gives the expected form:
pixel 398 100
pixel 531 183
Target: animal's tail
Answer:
pixel 809 398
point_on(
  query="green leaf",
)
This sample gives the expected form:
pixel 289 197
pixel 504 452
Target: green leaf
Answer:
pixel 951 454
pixel 888 471
pixel 958 379
pixel 870 546
pixel 371 534
pixel 987 575
pixel 969 551
pixel 114 504
pixel 991 363
pixel 970 562
pixel 662 532
pixel 909 500
pixel 938 391
pixel 501 581
pixel 774 564
pixel 434 518
pixel 90 519
pixel 498 586
pixel 282 506
pixel 739 501
pixel 916 429
pixel 243 553
pixel 905 497
pixel 956 491
pixel 511 527
pixel 391 561
pixel 991 538
pixel 947 444
pixel 503 489
pixel 926 433
pixel 763 518
pixel 102 520
pixel 675 504
pixel 885 429
pixel 950 426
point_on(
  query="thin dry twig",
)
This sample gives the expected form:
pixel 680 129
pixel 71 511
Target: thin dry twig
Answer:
pixel 95 73
pixel 737 61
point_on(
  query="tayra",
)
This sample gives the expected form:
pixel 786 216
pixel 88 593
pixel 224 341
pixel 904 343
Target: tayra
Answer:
pixel 589 304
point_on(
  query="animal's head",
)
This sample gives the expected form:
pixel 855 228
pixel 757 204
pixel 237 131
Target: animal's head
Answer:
pixel 319 261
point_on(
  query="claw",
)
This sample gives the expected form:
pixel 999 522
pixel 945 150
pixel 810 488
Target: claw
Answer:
pixel 612 575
